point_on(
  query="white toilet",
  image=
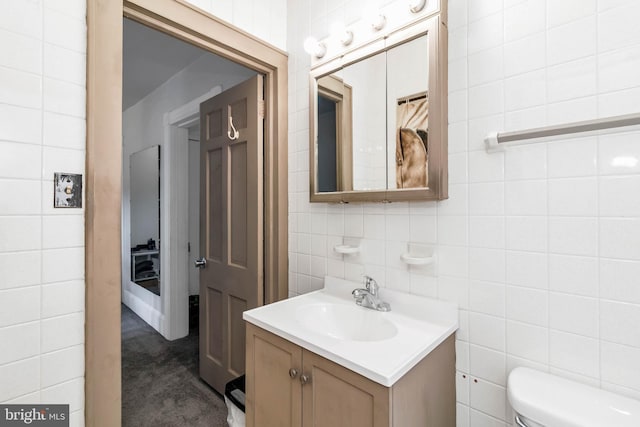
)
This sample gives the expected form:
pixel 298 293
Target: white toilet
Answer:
pixel 544 400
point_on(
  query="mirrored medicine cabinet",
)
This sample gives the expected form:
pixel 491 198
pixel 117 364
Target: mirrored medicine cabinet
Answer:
pixel 378 119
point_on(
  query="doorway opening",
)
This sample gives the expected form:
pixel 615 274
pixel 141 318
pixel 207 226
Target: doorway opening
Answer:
pixel 105 162
pixel 165 221
pixel 164 82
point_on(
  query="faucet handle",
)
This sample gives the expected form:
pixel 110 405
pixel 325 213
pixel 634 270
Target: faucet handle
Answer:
pixel 358 293
pixel 371 285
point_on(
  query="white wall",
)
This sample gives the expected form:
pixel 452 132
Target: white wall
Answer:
pixel 266 20
pixel 42 105
pixel 194 206
pixel 537 245
pixel 143 126
pixel 42 131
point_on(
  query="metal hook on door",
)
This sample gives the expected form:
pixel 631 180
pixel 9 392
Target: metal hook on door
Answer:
pixel 235 135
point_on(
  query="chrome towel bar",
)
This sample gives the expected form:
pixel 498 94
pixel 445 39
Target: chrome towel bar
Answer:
pixel 494 140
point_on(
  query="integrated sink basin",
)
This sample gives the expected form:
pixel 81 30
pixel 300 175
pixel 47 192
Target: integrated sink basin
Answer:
pixel 346 322
pixel 381 346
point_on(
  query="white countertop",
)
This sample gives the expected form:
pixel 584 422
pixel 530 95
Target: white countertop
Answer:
pixel 422 324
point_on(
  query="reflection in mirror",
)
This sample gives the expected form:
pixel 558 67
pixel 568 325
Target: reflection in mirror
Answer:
pixel 335 138
pixel 367 78
pixel 145 218
pixel 328 142
pixel 372 122
pixel 407 114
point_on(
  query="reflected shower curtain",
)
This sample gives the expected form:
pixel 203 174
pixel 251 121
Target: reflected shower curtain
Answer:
pixel 412 118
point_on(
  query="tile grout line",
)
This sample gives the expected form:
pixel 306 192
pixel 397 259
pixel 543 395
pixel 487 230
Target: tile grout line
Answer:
pixel 546 182
pixel 597 189
pixel 42 183
pixel 504 213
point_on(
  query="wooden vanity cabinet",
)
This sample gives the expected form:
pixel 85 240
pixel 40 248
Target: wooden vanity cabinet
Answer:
pixel 288 386
pixel 272 387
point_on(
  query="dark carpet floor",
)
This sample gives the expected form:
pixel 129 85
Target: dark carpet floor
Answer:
pixel 160 381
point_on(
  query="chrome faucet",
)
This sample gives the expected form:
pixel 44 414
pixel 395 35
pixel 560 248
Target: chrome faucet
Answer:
pixel 368 297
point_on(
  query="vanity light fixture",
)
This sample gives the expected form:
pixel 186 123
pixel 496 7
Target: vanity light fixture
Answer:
pixel 416 6
pixel 340 32
pixel 377 20
pixel 313 47
pixel 347 37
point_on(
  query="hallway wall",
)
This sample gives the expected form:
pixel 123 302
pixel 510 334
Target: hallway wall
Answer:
pixel 42 105
pixel 538 245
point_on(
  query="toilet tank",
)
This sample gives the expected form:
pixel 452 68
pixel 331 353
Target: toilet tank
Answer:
pixel 548 400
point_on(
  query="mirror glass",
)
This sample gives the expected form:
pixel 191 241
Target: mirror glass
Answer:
pixel 372 122
pixel 368 80
pixel 407 115
pixel 379 119
pixel 334 136
pixel 145 218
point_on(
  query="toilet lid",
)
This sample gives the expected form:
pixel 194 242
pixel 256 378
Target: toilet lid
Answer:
pixel 554 401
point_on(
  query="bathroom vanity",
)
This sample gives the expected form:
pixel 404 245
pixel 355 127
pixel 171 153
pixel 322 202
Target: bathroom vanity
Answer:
pixel 321 360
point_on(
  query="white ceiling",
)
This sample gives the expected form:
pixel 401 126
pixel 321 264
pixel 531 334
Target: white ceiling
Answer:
pixel 150 58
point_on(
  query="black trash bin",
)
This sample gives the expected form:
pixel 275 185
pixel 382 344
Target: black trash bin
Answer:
pixel 234 397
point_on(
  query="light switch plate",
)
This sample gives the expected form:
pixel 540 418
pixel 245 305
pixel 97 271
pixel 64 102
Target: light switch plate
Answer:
pixel 67 190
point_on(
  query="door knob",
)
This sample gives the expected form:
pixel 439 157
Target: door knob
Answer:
pixel 200 263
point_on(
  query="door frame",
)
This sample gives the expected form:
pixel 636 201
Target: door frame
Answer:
pixel 104 171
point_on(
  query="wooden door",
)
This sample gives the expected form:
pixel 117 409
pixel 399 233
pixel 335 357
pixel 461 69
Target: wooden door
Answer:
pixel 335 396
pixel 273 388
pixel 231 227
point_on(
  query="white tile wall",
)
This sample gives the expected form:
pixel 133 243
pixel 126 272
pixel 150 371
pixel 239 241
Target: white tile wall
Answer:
pixel 539 244
pixel 42 46
pixel 266 20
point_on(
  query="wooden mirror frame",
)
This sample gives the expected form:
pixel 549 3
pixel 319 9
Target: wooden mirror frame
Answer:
pixel 435 27
pixel 335 90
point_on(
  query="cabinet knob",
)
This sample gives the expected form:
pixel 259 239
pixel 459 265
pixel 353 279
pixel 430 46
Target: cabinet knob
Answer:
pixel 304 379
pixel 293 373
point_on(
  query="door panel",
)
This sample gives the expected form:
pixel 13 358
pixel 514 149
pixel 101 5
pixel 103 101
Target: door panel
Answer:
pixel 330 411
pixel 338 397
pixel 238 237
pixel 239 112
pixel 232 214
pixel 270 360
pixel 214 315
pixel 214 207
pixel 214 123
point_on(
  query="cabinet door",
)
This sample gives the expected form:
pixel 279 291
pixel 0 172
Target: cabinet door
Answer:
pixel 273 389
pixel 335 396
